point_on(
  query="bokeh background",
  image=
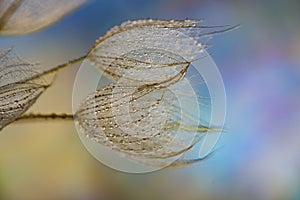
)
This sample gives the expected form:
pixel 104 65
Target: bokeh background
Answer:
pixel 260 65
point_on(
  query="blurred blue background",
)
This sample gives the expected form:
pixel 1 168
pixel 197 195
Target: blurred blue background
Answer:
pixel 260 65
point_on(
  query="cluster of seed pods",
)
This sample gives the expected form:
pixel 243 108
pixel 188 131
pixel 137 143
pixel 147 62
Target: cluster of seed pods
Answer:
pixel 147 113
pixel 141 115
pixel 21 82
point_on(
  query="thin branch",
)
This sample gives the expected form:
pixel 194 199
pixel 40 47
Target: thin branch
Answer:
pixel 33 117
pixel 55 69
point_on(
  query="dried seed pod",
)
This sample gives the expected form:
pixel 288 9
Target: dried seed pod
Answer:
pixel 143 50
pixel 150 125
pixel 18 17
pixel 18 91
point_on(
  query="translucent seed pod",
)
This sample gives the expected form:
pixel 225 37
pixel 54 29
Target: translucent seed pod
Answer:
pixel 153 126
pixel 151 47
pixel 18 91
pixel 19 17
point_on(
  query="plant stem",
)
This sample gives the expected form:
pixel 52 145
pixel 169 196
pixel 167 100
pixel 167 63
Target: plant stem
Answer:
pixel 64 65
pixel 53 69
pixel 33 117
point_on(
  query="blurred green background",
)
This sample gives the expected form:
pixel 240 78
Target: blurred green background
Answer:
pixel 260 65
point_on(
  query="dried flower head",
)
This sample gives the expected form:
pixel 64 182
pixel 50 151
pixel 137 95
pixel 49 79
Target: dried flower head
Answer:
pixel 148 124
pixel 18 17
pixel 151 51
pixel 19 87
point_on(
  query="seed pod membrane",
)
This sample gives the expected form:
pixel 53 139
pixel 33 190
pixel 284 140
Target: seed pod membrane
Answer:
pixel 18 17
pixel 18 92
pixel 145 124
pixel 151 51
